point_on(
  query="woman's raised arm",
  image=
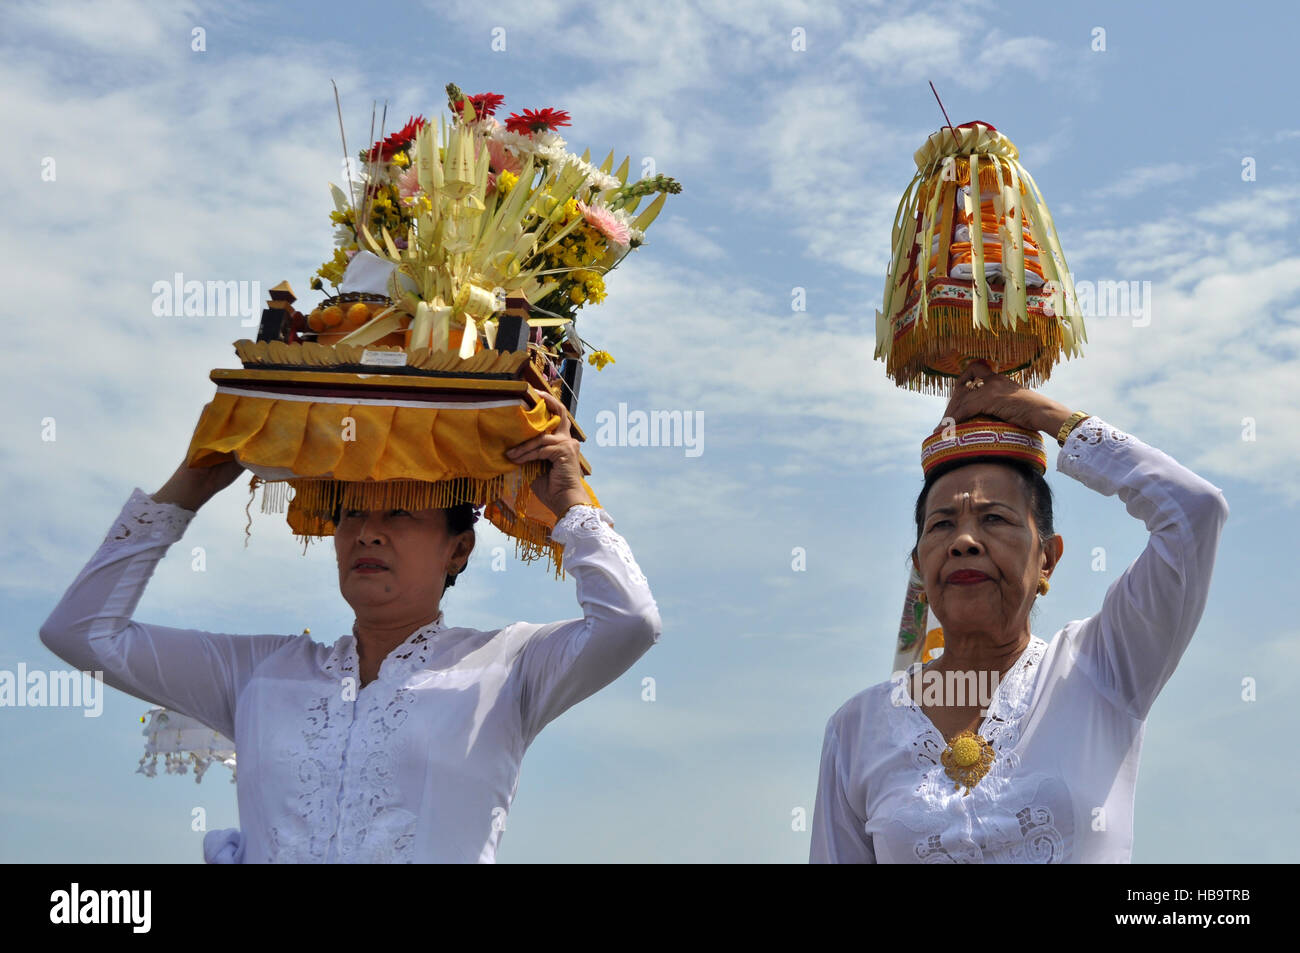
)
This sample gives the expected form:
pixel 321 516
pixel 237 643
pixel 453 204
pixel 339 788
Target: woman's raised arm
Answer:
pixel 196 673
pixel 1133 644
pixel 564 662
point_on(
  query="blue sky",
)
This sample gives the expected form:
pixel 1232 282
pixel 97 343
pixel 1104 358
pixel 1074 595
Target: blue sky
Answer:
pixel 214 163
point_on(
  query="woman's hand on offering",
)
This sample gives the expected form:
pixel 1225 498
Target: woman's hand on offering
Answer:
pixel 191 487
pixel 561 486
pixel 997 395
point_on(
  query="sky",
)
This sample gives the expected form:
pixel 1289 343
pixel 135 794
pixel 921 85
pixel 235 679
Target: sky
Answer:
pixel 1160 135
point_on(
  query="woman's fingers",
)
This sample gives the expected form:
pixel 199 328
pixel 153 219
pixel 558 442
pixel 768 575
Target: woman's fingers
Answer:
pixel 563 431
pixel 558 409
pixel 538 448
pixel 967 402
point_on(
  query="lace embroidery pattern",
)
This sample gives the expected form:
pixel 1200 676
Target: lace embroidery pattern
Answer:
pixel 1002 728
pixel 1039 832
pixel 1091 432
pixel 981 828
pixel 912 730
pixel 317 766
pixel 144 520
pixel 1040 841
pixel 414 653
pixel 582 521
pixel 374 828
pixel 594 523
pixel 355 792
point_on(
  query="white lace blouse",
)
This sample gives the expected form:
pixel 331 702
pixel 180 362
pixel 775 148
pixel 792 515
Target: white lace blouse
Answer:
pixel 1066 722
pixel 422 763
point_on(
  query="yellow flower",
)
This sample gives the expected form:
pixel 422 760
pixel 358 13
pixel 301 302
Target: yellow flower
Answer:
pixel 506 181
pixel 600 359
pixel 401 159
pixel 571 210
pixel 332 270
pixel 577 295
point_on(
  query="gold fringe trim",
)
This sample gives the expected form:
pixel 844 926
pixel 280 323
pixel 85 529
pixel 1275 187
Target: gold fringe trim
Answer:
pixel 319 497
pixel 1027 353
pixel 314 500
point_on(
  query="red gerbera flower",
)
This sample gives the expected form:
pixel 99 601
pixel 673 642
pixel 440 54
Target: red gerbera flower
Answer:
pixel 485 104
pixel 398 141
pixel 539 120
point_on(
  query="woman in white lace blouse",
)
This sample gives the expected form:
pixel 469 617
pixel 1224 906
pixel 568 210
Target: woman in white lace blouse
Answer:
pixel 399 742
pixel 1065 723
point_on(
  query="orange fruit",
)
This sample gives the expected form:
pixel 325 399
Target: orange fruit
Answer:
pixel 357 315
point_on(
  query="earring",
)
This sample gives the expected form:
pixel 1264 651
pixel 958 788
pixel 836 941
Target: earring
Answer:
pixel 1043 585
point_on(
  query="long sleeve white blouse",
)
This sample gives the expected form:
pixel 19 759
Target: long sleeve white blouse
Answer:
pixel 422 763
pixel 1066 721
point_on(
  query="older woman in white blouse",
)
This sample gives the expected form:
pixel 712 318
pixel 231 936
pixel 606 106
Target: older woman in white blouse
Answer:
pixel 401 741
pixel 1066 720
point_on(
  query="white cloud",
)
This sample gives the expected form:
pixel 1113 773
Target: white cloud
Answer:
pixel 115 27
pixel 1140 179
pixel 948 46
pixel 694 242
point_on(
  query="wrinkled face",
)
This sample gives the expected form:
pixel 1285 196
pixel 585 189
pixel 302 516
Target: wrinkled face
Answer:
pixel 977 518
pixel 415 549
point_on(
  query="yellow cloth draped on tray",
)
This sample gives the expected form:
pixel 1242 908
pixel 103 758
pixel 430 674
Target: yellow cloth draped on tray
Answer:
pixel 376 454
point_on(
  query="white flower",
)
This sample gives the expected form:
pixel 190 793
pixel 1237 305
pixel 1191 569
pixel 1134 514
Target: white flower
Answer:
pixel 592 176
pixel 604 182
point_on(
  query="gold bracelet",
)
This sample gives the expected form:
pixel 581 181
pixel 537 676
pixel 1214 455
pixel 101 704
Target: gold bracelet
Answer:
pixel 1071 422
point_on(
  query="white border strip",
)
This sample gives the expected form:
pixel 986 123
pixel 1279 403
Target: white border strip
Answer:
pixel 374 402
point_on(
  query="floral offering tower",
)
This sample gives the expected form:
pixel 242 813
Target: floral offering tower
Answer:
pixel 465 249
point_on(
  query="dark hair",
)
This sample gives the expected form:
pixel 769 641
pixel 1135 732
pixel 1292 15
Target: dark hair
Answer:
pixel 460 517
pixel 1039 493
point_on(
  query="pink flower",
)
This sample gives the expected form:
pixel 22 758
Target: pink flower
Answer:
pixel 502 159
pixel 605 222
pixel 408 183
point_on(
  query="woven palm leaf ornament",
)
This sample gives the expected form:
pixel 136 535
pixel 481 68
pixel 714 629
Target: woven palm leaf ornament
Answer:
pixel 974 277
pixel 976 272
